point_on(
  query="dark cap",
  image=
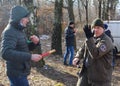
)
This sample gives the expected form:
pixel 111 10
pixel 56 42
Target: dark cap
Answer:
pixel 71 22
pixel 97 22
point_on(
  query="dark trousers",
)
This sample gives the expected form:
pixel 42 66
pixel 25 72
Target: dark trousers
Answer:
pixel 83 80
pixel 18 81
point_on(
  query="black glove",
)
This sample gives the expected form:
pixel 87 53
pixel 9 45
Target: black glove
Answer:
pixel 88 32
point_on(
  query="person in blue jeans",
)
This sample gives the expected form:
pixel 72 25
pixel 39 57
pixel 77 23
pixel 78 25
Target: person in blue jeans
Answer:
pixel 69 39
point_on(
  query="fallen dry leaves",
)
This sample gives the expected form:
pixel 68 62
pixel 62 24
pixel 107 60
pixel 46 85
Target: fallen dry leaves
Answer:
pixel 54 73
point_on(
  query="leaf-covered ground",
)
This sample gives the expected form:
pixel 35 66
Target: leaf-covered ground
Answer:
pixel 54 73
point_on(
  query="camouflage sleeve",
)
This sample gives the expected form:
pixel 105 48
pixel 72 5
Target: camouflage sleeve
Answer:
pixel 80 52
pixel 100 49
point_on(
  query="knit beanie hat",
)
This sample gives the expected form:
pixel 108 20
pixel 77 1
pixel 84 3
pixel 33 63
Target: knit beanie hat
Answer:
pixel 97 22
pixel 17 13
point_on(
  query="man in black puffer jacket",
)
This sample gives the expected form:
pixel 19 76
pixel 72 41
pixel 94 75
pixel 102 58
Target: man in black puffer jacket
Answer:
pixel 15 48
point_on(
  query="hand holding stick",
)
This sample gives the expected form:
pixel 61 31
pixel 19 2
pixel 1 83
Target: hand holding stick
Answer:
pixel 48 53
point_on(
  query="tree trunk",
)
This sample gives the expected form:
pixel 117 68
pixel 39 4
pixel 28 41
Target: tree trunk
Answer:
pixel 79 11
pixel 70 10
pixel 32 29
pixel 57 30
pixel 106 4
pixel 86 8
pixel 113 4
pixel 107 10
pixel 71 17
pixel 104 11
pixel 99 13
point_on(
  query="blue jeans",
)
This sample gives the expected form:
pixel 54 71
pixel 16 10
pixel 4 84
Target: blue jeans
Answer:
pixel 18 81
pixel 69 53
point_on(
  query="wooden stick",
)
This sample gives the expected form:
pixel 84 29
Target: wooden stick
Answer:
pixel 48 53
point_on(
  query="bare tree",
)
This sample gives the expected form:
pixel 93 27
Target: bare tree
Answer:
pixel 70 10
pixel 112 8
pixel 107 9
pixel 57 30
pixel 85 4
pixel 32 29
pixel 79 10
pixel 99 7
pixel 71 16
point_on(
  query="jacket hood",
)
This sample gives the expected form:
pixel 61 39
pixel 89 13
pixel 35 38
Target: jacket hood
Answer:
pixel 17 13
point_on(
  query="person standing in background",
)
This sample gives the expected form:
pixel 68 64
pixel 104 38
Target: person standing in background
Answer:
pixel 108 32
pixel 15 48
pixel 69 39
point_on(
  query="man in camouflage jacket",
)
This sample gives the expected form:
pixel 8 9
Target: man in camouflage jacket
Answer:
pixel 97 57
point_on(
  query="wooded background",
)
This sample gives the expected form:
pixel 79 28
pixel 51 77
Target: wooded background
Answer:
pixel 52 16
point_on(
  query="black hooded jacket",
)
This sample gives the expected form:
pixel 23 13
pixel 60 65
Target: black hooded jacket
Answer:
pixel 14 46
pixel 69 36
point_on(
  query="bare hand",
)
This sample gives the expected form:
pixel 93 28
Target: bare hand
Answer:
pixel 36 57
pixel 34 39
pixel 75 61
pixel 75 30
